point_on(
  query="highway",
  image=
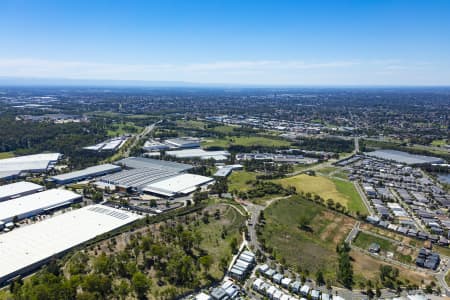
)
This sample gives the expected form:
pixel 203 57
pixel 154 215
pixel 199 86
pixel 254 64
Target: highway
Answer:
pixel 138 137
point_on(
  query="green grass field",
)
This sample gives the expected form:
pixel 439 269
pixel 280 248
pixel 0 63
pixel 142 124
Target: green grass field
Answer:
pixel 246 141
pixel 340 191
pixel 191 124
pixel 238 180
pixel 439 143
pixel 223 129
pixel 354 202
pixel 364 240
pixel 341 174
pixel 327 170
pixel 6 155
pixel 309 250
pixel 123 128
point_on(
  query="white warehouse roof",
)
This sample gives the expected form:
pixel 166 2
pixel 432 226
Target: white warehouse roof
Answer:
pixel 33 204
pixel 180 184
pixel 16 189
pixel 36 162
pixel 200 153
pixel 24 249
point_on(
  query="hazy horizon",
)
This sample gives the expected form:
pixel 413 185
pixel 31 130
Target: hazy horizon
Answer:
pixel 289 43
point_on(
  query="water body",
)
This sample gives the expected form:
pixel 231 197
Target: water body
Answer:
pixel 444 177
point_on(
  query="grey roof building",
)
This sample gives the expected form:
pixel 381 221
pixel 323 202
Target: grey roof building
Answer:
pixel 85 173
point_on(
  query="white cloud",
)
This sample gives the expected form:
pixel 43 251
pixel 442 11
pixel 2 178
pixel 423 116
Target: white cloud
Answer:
pixel 244 72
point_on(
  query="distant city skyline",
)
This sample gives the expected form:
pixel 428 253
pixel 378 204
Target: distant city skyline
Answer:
pixel 295 43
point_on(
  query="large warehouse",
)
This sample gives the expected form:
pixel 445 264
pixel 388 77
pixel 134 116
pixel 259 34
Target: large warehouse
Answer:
pixel 87 173
pixel 142 162
pixel 158 177
pixel 38 203
pixel 26 249
pixel 37 163
pixel 18 189
pixel 405 158
pixel 136 179
pixel 183 142
pixel 181 184
pixel 200 153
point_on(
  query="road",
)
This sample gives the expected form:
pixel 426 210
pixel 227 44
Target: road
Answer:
pixel 406 207
pixel 364 199
pixel 138 137
pixel 356 145
pixel 353 233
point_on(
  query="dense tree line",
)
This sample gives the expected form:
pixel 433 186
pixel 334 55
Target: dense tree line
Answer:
pixel 23 137
pixel 325 144
pixel 262 188
pixel 345 268
pixel 171 255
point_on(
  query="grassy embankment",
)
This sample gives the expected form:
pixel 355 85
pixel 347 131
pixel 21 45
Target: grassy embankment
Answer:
pixel 4 155
pixel 340 191
pixel 261 141
pixel 312 247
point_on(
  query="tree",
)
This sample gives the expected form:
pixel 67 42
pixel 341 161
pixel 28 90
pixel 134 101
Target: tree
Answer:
pixel 345 269
pixel 206 262
pixel 378 292
pixel 140 284
pixel 102 264
pixel 319 278
pixel 330 203
pixel 234 245
pixel 97 197
pixel 122 289
pixel 223 264
pixel 97 283
pixel 370 293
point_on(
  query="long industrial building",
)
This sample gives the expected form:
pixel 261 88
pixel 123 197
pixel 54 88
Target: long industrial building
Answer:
pixel 405 158
pixel 142 162
pixel 136 179
pixel 143 171
pixel 36 163
pixel 18 189
pixel 157 177
pixel 35 204
pixel 200 153
pixel 184 142
pixel 87 173
pixel 25 249
pixel 181 184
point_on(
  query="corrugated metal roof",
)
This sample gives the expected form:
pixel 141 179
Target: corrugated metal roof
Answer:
pixel 91 171
pixel 30 245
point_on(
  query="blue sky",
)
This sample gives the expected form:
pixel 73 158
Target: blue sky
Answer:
pixel 364 42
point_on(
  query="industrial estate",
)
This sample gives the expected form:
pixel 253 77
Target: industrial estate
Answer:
pixel 206 206
pixel 224 150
